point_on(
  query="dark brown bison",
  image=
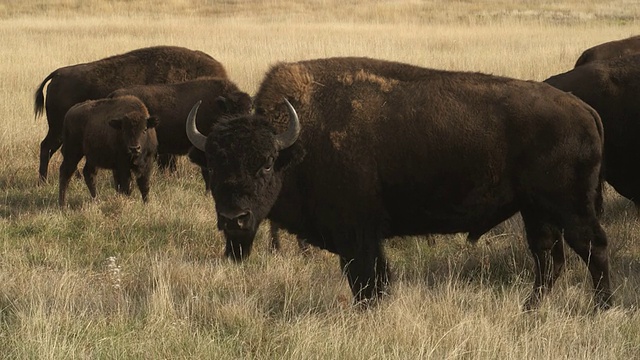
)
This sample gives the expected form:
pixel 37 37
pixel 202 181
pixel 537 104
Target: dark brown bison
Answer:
pixel 610 50
pixel 94 80
pixel 612 87
pixel 171 103
pixel 379 149
pixel 116 134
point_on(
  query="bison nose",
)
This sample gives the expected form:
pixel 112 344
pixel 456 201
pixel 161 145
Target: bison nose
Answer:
pixel 134 150
pixel 235 220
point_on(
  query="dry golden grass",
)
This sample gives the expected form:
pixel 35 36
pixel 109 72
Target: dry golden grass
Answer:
pixel 117 279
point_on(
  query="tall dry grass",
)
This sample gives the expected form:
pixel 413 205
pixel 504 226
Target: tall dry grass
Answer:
pixel 118 279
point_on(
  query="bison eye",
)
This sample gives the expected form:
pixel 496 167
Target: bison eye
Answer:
pixel 268 166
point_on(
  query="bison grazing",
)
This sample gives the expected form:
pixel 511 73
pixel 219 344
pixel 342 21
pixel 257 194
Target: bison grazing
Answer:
pixel 115 134
pixel 610 50
pixel 612 87
pixel 171 103
pixel 379 149
pixel 74 84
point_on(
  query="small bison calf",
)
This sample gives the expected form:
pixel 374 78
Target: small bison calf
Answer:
pixel 116 134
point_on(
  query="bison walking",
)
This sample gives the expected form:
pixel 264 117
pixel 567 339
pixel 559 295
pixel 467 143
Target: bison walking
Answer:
pixel 115 134
pixel 94 80
pixel 611 87
pixel 171 103
pixel 373 149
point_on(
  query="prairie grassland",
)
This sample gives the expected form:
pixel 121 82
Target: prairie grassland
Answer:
pixel 114 278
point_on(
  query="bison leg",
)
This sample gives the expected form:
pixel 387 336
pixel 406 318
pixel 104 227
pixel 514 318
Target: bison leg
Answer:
pixel 122 176
pixel 48 147
pixel 545 244
pixel 366 268
pixel 67 168
pixel 587 238
pixel 143 185
pixel 89 171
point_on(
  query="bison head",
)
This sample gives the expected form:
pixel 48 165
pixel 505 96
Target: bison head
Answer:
pixel 133 128
pixel 247 160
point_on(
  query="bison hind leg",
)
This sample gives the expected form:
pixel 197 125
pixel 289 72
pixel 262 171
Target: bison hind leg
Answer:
pixel 547 249
pixel 587 238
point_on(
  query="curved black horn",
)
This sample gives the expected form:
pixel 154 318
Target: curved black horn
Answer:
pixel 287 138
pixel 197 139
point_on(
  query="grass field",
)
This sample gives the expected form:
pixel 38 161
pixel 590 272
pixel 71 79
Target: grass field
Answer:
pixel 114 278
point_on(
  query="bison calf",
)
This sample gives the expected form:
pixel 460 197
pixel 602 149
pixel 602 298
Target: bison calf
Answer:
pixel 171 103
pixel 115 134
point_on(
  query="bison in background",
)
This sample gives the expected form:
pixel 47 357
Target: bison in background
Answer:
pixel 94 80
pixel 116 134
pixel 374 149
pixel 612 87
pixel 171 103
pixel 610 50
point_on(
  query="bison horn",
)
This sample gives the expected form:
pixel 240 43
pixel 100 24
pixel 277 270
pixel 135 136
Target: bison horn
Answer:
pixel 287 138
pixel 197 139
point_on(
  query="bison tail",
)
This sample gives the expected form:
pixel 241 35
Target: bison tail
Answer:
pixel 38 106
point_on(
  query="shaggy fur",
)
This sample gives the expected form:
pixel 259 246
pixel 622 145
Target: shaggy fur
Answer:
pixel 389 149
pixel 94 80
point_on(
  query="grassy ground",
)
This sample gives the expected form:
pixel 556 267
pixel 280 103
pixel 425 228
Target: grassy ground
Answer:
pixel 114 278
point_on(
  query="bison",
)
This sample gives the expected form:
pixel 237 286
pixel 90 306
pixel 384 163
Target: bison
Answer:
pixel 171 103
pixel 94 80
pixel 373 149
pixel 116 134
pixel 611 87
pixel 610 50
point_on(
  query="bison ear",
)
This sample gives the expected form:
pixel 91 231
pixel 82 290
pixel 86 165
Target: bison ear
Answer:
pixel 291 156
pixel 152 122
pixel 116 123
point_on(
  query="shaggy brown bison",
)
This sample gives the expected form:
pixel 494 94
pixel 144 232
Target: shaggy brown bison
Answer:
pixel 612 87
pixel 610 50
pixel 94 80
pixel 373 149
pixel 171 103
pixel 116 134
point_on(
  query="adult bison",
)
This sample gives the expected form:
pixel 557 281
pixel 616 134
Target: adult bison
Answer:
pixel 379 149
pixel 94 80
pixel 610 50
pixel 115 134
pixel 612 87
pixel 171 104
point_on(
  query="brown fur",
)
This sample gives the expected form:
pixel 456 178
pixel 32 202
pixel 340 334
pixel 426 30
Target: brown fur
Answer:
pixel 105 132
pixel 611 87
pixel 389 149
pixel 610 50
pixel 94 80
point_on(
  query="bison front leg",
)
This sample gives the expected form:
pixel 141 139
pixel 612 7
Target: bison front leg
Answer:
pixel 366 269
pixel 143 185
pixel 89 171
pixel 122 176
pixel 67 168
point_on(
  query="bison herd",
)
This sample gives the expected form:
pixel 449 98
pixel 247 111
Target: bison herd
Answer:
pixel 346 152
